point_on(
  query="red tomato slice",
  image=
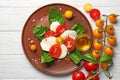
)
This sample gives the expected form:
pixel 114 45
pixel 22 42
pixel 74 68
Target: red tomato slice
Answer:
pixel 69 43
pixel 60 29
pixel 49 33
pixel 95 14
pixel 55 51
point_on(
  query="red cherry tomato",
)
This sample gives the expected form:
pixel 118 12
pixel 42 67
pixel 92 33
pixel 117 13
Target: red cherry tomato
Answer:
pixel 49 33
pixel 78 75
pixel 95 78
pixel 60 29
pixel 55 51
pixel 95 14
pixel 91 66
pixel 69 43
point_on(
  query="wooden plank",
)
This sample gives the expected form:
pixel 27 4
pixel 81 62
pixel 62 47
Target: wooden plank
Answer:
pixel 18 67
pixel 37 3
pixel 14 18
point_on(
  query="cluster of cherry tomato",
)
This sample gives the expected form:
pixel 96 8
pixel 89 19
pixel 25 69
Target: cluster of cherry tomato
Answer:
pixel 89 67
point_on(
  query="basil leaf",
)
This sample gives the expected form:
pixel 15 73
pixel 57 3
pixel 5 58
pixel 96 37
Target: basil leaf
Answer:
pixel 79 28
pixel 39 31
pixel 106 58
pixel 90 58
pixel 75 56
pixel 55 15
pixel 45 57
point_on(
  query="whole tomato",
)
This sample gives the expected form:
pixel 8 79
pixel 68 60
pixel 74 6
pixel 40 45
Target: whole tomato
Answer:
pixel 95 78
pixel 90 66
pixel 78 75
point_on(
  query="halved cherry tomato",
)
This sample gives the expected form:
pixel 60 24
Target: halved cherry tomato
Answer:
pixel 111 40
pixel 110 29
pixel 90 75
pixel 49 33
pixel 90 66
pixel 55 51
pixel 95 14
pixel 98 33
pixel 60 29
pixel 69 43
pixel 78 75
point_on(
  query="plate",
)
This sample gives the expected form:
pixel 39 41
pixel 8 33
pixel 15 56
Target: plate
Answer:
pixel 40 16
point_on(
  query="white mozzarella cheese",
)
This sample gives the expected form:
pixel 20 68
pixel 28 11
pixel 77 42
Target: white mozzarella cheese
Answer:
pixel 54 25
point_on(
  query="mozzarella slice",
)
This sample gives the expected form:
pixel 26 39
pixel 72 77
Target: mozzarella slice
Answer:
pixel 54 25
pixel 64 51
pixel 69 33
pixel 47 43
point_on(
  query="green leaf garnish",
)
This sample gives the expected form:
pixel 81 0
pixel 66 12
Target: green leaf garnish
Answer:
pixel 90 58
pixel 55 15
pixel 106 58
pixel 39 31
pixel 79 28
pixel 45 57
pixel 75 56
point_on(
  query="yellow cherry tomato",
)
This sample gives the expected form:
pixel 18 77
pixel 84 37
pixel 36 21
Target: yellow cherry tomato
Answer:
pixel 99 23
pixel 59 40
pixel 112 18
pixel 87 7
pixel 68 14
pixel 33 47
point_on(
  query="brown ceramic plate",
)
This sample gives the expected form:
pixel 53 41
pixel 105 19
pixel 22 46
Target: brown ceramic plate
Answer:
pixel 40 16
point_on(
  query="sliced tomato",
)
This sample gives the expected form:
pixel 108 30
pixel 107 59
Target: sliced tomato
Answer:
pixel 95 14
pixel 60 29
pixel 49 33
pixel 69 43
pixel 55 51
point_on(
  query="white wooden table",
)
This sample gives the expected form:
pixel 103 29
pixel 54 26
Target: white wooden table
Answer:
pixel 14 13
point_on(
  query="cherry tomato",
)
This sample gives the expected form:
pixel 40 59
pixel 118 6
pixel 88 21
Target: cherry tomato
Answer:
pixel 112 18
pixel 110 29
pixel 95 78
pixel 60 29
pixel 98 33
pixel 69 43
pixel 49 33
pixel 33 47
pixel 68 14
pixel 104 65
pixel 90 66
pixel 55 51
pixel 96 53
pixel 78 75
pixel 97 44
pixel 99 23
pixel 109 50
pixel 95 14
pixel 111 40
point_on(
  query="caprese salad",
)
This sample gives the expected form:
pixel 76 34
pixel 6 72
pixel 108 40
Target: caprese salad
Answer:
pixel 57 41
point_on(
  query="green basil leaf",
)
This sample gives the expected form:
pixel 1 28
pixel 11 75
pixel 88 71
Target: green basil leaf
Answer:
pixel 79 28
pixel 90 58
pixel 75 56
pixel 55 15
pixel 106 58
pixel 45 57
pixel 39 31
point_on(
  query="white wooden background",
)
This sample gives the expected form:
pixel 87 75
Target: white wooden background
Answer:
pixel 13 15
